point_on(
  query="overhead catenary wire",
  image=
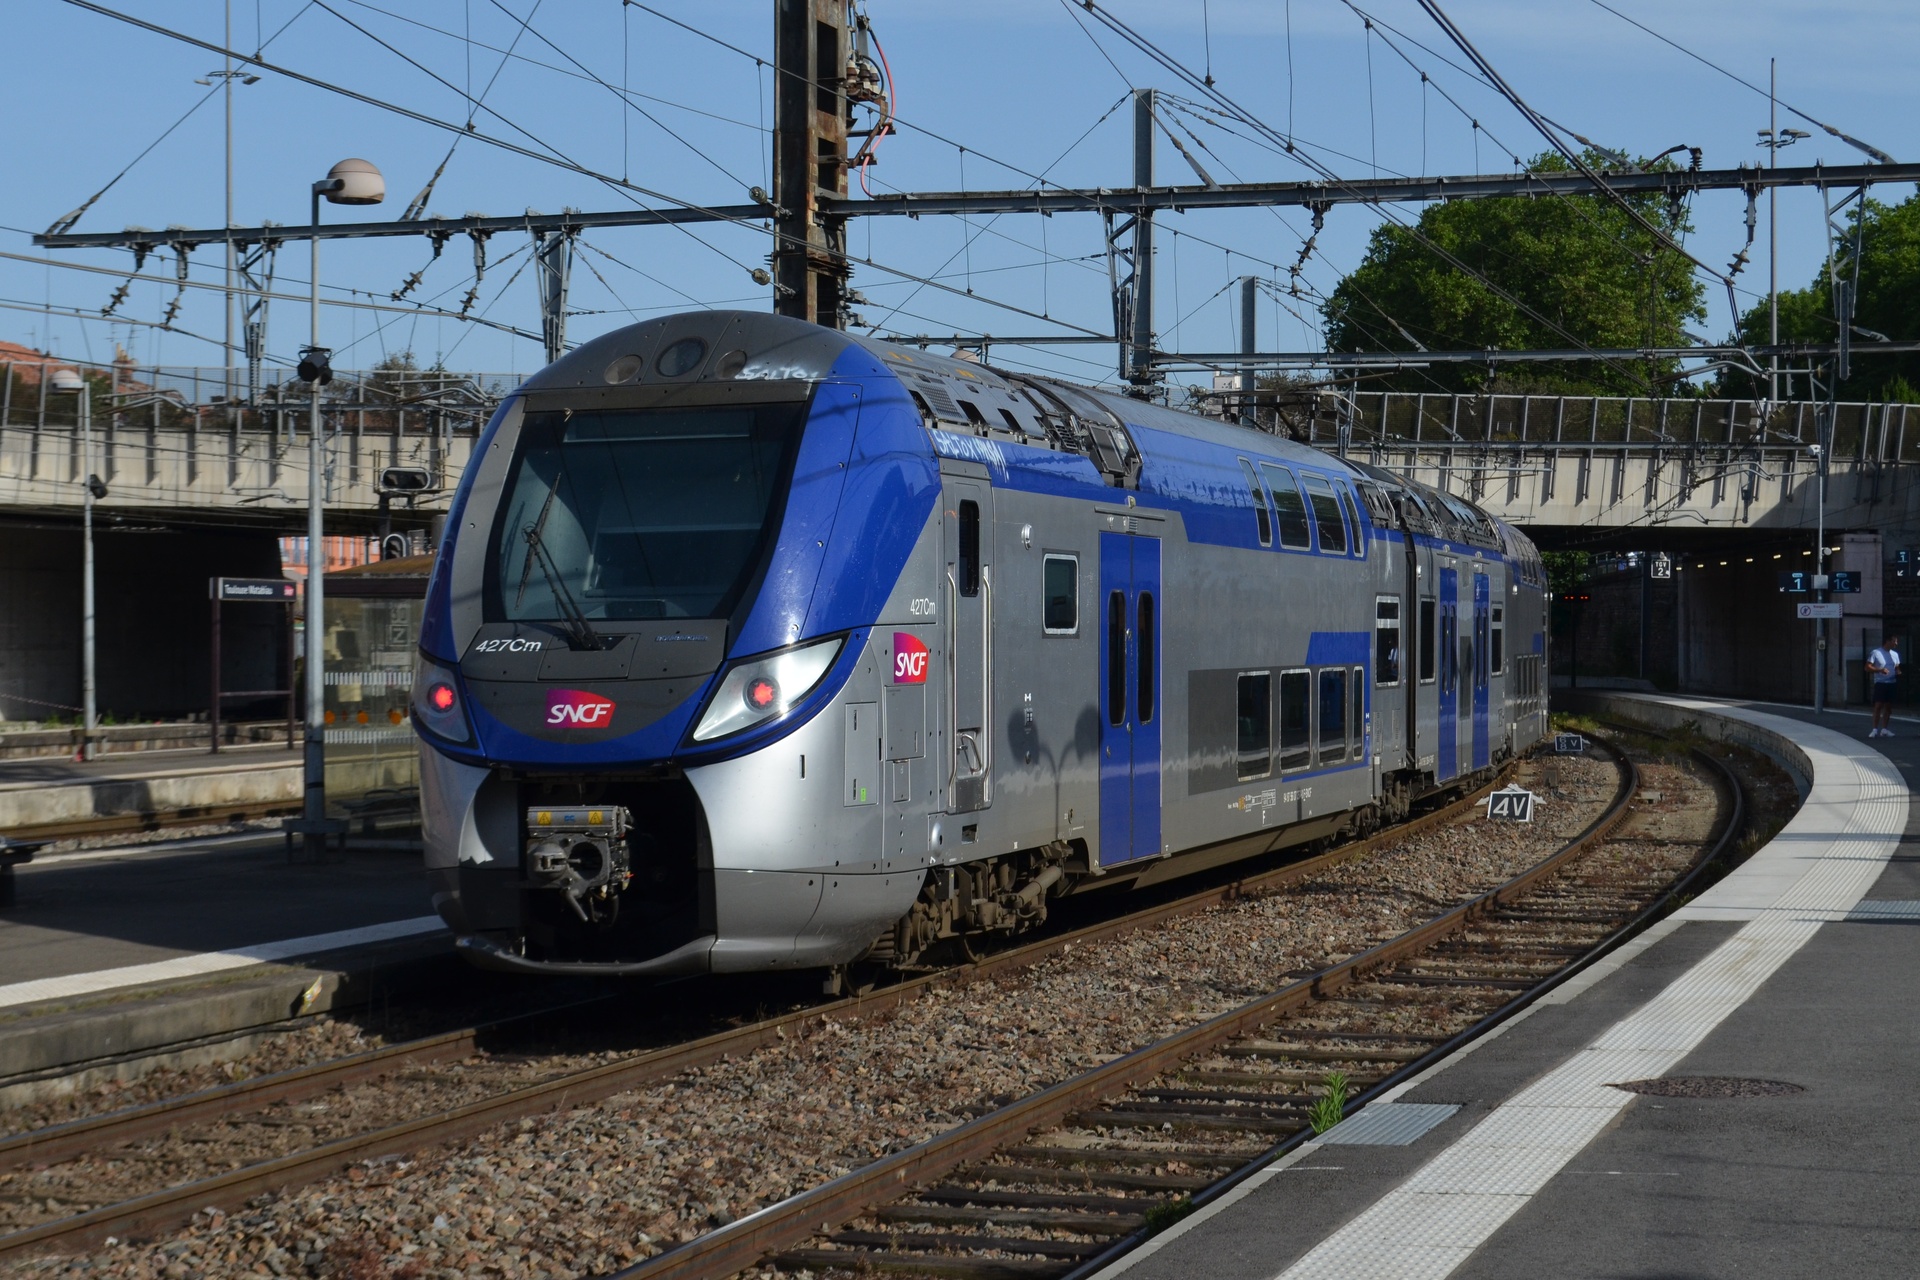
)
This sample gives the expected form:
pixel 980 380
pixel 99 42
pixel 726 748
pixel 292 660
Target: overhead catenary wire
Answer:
pixel 553 67
pixel 1426 81
pixel 1553 137
pixel 630 190
pixel 1851 141
pixel 1328 174
pixel 428 312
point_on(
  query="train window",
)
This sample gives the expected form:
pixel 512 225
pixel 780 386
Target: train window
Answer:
pixel 1497 641
pixel 638 513
pixel 1333 715
pixel 1353 519
pixel 1260 516
pixel 1060 610
pixel 1255 713
pixel 1386 640
pixel 1296 719
pixel 1148 658
pixel 1426 639
pixel 1116 657
pixel 1326 515
pixel 969 566
pixel 1288 506
pixel 1356 724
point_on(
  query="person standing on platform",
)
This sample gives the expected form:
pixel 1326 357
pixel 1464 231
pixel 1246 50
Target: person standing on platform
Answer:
pixel 1883 664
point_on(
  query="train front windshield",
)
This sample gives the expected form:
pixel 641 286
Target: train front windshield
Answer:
pixel 634 514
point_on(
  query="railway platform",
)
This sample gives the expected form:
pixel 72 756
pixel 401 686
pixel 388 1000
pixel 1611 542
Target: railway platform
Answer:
pixel 1768 1030
pixel 118 959
pixel 39 793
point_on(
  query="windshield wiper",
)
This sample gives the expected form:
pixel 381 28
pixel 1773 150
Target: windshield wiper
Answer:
pixel 580 632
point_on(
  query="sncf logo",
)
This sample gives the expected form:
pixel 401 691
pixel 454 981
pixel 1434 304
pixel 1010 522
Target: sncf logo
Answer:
pixel 578 709
pixel 909 659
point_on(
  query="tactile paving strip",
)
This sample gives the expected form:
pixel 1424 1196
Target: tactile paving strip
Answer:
pixel 1825 859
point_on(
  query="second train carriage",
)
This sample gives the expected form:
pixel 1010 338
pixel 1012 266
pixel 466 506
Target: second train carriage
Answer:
pixel 755 644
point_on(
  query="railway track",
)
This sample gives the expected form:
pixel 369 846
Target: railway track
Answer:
pixel 960 1225
pixel 1061 1183
pixel 155 820
pixel 233 1104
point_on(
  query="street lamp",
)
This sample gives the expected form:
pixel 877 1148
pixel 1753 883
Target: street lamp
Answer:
pixel 349 182
pixel 70 380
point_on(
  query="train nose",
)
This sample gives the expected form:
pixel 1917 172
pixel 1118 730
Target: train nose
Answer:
pixel 609 872
pixel 532 679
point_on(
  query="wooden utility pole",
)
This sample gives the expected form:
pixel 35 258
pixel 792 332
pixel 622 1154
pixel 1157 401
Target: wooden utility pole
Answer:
pixel 810 270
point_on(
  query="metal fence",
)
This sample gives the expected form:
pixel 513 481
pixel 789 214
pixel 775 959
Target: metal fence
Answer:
pixel 1396 419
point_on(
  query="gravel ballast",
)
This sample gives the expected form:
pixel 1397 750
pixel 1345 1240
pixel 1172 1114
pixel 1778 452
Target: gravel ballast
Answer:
pixel 595 1188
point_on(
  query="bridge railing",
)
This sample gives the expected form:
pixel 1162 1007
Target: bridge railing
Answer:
pixel 175 435
pixel 1869 433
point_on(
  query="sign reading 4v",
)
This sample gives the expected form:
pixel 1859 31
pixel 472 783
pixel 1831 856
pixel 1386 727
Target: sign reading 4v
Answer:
pixel 1510 804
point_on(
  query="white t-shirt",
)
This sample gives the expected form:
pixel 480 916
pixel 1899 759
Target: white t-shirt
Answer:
pixel 1888 662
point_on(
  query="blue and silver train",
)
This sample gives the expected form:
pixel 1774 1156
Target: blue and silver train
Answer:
pixel 757 645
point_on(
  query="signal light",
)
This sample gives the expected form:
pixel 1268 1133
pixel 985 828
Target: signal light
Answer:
pixel 405 480
pixel 315 366
pixel 762 693
pixel 441 696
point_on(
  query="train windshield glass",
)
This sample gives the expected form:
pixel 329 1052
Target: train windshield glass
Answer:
pixel 655 513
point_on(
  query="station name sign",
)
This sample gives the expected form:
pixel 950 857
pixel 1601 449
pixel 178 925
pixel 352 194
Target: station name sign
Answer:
pixel 259 590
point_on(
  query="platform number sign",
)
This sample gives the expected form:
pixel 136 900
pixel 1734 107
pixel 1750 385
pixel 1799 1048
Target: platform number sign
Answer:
pixel 1510 804
pixel 1662 566
pixel 1569 744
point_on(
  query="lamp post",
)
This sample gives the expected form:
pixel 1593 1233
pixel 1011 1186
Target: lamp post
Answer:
pixel 90 489
pixel 349 182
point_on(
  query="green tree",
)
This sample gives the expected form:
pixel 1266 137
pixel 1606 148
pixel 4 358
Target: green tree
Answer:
pixel 1578 271
pixel 1888 303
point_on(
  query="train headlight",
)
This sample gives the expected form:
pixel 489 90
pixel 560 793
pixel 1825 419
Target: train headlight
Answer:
pixel 762 689
pixel 437 702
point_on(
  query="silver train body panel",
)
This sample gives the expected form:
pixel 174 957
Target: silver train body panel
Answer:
pixel 1198 694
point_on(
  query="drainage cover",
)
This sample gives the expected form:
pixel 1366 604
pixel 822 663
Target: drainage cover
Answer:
pixel 1708 1087
pixel 1389 1124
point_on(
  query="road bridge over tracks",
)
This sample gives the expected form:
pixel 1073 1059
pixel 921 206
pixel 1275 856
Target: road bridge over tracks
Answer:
pixel 186 445
pixel 1640 473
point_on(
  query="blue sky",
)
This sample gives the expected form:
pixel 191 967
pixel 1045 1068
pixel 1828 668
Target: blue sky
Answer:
pixel 991 93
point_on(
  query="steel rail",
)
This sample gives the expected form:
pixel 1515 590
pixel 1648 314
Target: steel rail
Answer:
pixel 73 1138
pixel 177 1204
pixel 742 1244
pixel 1730 827
pixel 157 820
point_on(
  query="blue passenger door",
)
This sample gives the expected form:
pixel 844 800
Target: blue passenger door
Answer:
pixel 1130 711
pixel 1482 668
pixel 1449 655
